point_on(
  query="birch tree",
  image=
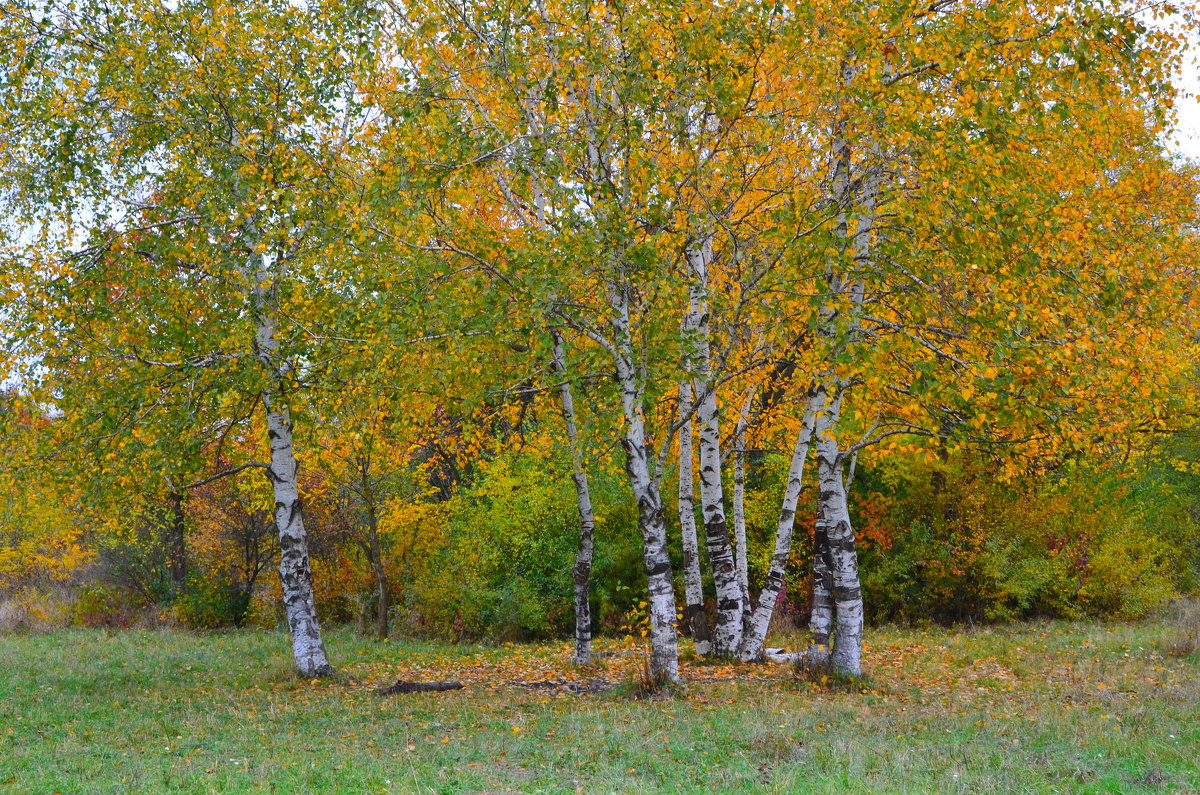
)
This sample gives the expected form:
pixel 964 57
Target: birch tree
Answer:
pixel 878 283
pixel 587 516
pixel 583 109
pixel 202 155
pixel 728 630
pixel 693 583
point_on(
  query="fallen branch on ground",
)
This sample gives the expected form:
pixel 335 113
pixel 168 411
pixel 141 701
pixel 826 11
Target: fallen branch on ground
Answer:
pixel 419 687
pixel 590 686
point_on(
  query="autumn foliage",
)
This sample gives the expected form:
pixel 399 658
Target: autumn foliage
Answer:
pixel 442 309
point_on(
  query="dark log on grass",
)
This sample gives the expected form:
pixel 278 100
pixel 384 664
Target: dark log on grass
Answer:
pixel 419 687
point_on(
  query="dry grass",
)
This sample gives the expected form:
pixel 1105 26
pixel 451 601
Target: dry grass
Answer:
pixel 1186 618
pixel 36 610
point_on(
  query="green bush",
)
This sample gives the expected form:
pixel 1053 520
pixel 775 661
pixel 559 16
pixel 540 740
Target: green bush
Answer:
pixel 957 544
pixel 505 569
pixel 106 606
pixel 209 603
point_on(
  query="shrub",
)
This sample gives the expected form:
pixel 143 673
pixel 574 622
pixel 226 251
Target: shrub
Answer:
pixel 504 570
pixel 106 606
pixel 963 545
pixel 209 603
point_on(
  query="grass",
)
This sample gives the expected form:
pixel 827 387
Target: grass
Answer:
pixel 1052 707
pixel 1187 626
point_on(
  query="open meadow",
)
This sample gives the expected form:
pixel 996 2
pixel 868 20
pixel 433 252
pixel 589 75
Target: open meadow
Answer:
pixel 1043 707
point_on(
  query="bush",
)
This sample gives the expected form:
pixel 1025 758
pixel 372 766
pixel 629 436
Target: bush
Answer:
pixel 35 609
pixel 106 606
pixel 960 545
pixel 504 570
pixel 210 603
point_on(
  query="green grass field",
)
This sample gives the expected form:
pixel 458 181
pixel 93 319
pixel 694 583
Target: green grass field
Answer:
pixel 1034 708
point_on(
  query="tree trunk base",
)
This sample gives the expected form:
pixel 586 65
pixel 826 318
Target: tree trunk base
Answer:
pixel 813 657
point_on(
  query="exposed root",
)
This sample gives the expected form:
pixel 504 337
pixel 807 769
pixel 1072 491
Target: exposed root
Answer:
pixel 813 656
pixel 780 656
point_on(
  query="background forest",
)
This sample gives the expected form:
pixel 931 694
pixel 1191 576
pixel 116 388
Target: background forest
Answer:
pixel 552 319
pixel 940 542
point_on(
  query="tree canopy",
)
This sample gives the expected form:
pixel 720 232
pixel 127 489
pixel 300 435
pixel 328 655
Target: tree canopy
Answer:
pixel 375 251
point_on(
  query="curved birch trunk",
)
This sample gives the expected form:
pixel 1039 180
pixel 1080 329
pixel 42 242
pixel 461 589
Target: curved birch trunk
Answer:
pixel 664 650
pixel 728 631
pixel 739 527
pixel 295 571
pixel 751 647
pixel 693 584
pixel 582 572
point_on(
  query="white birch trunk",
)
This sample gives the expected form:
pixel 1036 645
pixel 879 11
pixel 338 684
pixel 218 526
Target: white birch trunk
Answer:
pixel 664 652
pixel 837 589
pixel 728 630
pixel 739 510
pixel 834 522
pixel 820 622
pixel 821 613
pixel 693 583
pixel 295 570
pixel 739 527
pixel 587 517
pixel 837 606
pixel 751 647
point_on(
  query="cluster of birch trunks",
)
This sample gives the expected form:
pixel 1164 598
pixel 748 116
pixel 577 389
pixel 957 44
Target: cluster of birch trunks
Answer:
pixel 740 628
pixel 581 176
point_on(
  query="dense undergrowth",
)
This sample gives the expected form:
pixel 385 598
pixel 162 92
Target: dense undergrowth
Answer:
pixel 942 540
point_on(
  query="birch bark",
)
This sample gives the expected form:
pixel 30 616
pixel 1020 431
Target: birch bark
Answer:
pixel 739 527
pixel 295 570
pixel 739 509
pixel 842 584
pixel 820 621
pixel 834 524
pixel 582 572
pixel 728 630
pixel 693 584
pixel 664 653
pixel 837 593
